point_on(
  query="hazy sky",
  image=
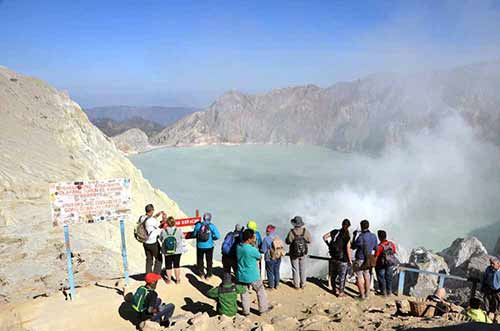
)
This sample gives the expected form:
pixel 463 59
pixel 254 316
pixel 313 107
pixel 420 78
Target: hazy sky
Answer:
pixel 189 52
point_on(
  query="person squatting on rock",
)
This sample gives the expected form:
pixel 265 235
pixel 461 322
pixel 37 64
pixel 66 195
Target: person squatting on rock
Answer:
pixel 228 250
pixel 490 287
pixel 475 313
pixel 226 295
pixel 386 261
pixel 365 244
pixel 205 233
pixel 151 245
pixel 298 238
pixel 339 247
pixel 273 250
pixel 248 274
pixel 148 305
pixel 172 247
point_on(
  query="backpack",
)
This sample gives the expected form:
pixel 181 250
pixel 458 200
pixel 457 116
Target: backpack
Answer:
pixel 138 301
pixel 140 232
pixel 388 257
pixel 298 248
pixel 170 243
pixel 228 245
pixel 204 233
pixel 277 250
pixel 336 247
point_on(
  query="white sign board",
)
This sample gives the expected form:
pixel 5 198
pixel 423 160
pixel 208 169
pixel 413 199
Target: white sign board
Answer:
pixel 90 201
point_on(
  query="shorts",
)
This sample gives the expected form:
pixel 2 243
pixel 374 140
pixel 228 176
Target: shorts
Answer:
pixel 358 271
pixel 172 260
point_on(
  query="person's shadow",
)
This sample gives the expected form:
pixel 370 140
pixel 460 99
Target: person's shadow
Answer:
pixel 127 312
pixel 198 307
pixel 202 287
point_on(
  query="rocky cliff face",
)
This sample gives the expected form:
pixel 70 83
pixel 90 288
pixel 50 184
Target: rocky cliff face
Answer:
pixel 363 115
pixel 45 137
pixel 132 141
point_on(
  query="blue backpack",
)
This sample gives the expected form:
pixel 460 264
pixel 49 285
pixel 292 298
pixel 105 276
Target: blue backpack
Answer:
pixel 229 244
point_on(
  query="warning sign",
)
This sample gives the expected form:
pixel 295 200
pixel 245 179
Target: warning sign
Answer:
pixel 90 201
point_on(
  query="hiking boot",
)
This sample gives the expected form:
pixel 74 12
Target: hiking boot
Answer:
pixel 269 308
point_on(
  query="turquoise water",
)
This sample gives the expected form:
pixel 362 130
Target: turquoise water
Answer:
pixel 418 203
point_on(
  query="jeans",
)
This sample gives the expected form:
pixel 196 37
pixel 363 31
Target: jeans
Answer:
pixel 164 313
pixel 384 277
pixel 261 297
pixel 153 253
pixel 208 254
pixel 273 272
pixel 338 269
pixel 299 271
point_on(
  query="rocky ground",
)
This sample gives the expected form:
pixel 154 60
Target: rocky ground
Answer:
pixel 132 141
pixel 313 308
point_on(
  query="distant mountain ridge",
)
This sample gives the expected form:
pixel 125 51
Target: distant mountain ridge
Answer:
pixel 113 128
pixel 363 115
pixel 161 115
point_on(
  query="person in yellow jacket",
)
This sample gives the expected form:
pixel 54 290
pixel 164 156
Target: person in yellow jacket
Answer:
pixel 475 313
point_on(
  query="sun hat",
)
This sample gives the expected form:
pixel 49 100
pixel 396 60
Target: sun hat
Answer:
pixel 297 221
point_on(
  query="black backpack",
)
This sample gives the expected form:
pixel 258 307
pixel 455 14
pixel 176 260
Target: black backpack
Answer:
pixel 388 257
pixel 298 248
pixel 204 233
pixel 337 245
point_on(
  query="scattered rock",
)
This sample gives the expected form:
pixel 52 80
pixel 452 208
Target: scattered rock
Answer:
pixel 265 327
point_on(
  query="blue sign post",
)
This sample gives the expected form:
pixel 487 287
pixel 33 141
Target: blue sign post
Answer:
pixel 70 263
pixel 124 251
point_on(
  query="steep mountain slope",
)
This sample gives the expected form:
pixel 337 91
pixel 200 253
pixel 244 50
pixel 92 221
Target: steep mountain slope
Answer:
pixel 45 137
pixel 363 115
pixel 161 115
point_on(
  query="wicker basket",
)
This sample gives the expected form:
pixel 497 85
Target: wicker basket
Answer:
pixel 422 308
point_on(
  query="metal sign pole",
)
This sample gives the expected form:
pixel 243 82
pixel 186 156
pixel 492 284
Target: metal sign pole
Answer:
pixel 124 251
pixel 70 262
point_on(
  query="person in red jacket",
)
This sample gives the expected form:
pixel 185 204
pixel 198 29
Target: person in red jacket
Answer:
pixel 386 261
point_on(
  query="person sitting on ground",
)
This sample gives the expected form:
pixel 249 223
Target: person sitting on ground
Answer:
pixel 172 247
pixel 339 247
pixel 148 305
pixel 248 274
pixel 273 250
pixel 151 245
pixel 439 301
pixel 386 261
pixel 205 233
pixel 227 296
pixel 228 250
pixel 298 238
pixel 475 313
pixel 365 244
pixel 490 287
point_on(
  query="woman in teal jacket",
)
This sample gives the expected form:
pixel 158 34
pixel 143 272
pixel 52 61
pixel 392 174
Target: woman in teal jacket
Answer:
pixel 205 233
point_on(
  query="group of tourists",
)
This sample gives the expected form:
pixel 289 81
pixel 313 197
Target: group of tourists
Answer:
pixel 245 251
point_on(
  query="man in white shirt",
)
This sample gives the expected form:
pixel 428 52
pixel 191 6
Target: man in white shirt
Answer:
pixel 151 245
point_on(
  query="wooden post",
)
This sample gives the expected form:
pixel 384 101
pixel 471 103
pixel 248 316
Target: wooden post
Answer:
pixel 401 284
pixel 71 279
pixel 124 251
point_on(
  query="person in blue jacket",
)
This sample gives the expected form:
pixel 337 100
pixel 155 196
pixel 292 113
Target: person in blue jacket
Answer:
pixel 205 233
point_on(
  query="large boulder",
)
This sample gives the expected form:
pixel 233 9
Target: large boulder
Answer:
pixel 422 285
pixel 466 257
